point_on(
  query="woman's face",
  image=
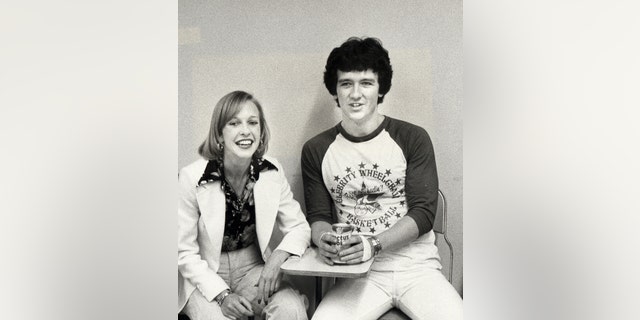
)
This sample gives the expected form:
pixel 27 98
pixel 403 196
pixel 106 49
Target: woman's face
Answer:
pixel 241 134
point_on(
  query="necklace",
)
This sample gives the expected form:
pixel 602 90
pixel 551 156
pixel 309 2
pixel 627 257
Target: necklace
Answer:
pixel 239 190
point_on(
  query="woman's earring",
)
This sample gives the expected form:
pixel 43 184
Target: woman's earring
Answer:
pixel 220 146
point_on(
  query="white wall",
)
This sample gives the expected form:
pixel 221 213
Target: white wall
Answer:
pixel 277 51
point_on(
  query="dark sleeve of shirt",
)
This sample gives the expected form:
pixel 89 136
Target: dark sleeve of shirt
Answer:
pixel 317 199
pixel 421 183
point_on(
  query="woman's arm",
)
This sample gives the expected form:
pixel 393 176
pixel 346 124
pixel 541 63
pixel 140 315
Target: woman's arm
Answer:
pixel 293 225
pixel 291 221
pixel 190 263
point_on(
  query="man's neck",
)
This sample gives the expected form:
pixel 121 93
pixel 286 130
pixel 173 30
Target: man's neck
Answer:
pixel 361 129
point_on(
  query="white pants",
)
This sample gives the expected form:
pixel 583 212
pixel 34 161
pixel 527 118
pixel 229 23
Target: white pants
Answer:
pixel 241 270
pixel 421 293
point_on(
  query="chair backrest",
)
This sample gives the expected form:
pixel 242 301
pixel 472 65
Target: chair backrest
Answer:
pixel 440 226
pixel 440 223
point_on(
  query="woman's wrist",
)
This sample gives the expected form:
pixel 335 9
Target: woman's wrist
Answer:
pixel 222 296
pixel 280 256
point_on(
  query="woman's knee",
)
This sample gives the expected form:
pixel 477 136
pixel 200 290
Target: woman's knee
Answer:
pixel 198 308
pixel 287 303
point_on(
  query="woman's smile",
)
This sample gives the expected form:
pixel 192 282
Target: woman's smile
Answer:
pixel 241 133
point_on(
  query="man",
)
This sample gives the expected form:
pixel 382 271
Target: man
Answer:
pixel 379 175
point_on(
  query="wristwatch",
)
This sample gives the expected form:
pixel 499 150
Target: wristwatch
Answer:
pixel 377 246
pixel 220 298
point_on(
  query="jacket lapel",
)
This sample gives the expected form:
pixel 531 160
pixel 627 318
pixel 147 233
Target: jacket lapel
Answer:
pixel 267 197
pixel 212 207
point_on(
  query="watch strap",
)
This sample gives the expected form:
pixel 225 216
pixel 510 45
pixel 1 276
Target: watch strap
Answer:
pixel 220 298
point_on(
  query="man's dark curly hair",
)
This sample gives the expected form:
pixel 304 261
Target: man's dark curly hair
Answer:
pixel 359 54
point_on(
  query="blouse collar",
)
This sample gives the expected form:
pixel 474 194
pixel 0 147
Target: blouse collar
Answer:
pixel 214 171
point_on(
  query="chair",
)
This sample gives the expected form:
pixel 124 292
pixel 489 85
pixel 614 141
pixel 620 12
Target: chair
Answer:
pixel 439 227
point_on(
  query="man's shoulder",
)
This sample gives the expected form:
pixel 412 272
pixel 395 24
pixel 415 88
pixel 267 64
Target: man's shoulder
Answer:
pixel 323 139
pixel 406 131
pixel 401 125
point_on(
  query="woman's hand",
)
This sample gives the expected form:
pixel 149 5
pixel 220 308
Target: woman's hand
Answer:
pixel 271 276
pixel 236 306
pixel 326 247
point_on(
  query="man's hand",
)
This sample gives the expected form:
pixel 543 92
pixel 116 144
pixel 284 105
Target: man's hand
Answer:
pixel 322 237
pixel 326 247
pixel 352 250
pixel 236 306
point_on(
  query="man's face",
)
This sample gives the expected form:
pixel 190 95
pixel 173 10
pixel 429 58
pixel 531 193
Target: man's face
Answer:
pixel 357 94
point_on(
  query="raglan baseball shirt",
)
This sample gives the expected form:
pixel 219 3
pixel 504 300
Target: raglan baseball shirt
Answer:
pixel 371 182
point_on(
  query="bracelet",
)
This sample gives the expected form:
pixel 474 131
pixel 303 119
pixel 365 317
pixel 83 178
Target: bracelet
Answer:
pixel 377 246
pixel 220 298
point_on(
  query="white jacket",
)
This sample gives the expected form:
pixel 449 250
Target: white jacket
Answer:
pixel 201 217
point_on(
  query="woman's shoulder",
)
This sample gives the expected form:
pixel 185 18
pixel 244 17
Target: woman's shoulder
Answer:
pixel 273 161
pixel 195 168
pixel 272 168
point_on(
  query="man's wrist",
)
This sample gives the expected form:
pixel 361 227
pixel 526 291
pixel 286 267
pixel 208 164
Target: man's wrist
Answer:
pixel 375 243
pixel 223 295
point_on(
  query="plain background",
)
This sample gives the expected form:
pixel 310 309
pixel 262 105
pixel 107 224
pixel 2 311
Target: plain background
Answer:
pixel 89 133
pixel 252 46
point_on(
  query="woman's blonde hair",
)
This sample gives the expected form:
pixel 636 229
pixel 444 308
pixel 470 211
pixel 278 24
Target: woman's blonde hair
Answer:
pixel 225 109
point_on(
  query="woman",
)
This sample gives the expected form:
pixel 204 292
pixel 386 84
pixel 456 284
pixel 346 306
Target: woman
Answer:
pixel 229 204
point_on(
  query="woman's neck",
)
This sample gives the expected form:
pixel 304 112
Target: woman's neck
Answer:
pixel 236 172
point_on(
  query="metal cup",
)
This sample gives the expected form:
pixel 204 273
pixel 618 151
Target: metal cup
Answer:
pixel 342 232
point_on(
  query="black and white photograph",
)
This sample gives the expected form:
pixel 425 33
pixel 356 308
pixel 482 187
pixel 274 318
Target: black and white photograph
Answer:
pixel 320 156
pixel 335 159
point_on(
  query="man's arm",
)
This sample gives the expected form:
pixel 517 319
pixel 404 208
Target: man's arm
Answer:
pixel 322 238
pixel 318 201
pixel 400 234
pixel 421 190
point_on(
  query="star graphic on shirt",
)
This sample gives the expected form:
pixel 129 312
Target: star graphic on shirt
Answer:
pixel 402 203
pixel 387 172
pixel 348 170
pixel 358 229
pixel 387 225
pixel 398 181
pixel 361 165
pixel 333 190
pixel 397 215
pixel 401 191
pixel 373 230
pixel 336 178
pixel 375 166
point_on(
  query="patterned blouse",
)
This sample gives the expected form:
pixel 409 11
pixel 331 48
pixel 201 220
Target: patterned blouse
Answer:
pixel 240 214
